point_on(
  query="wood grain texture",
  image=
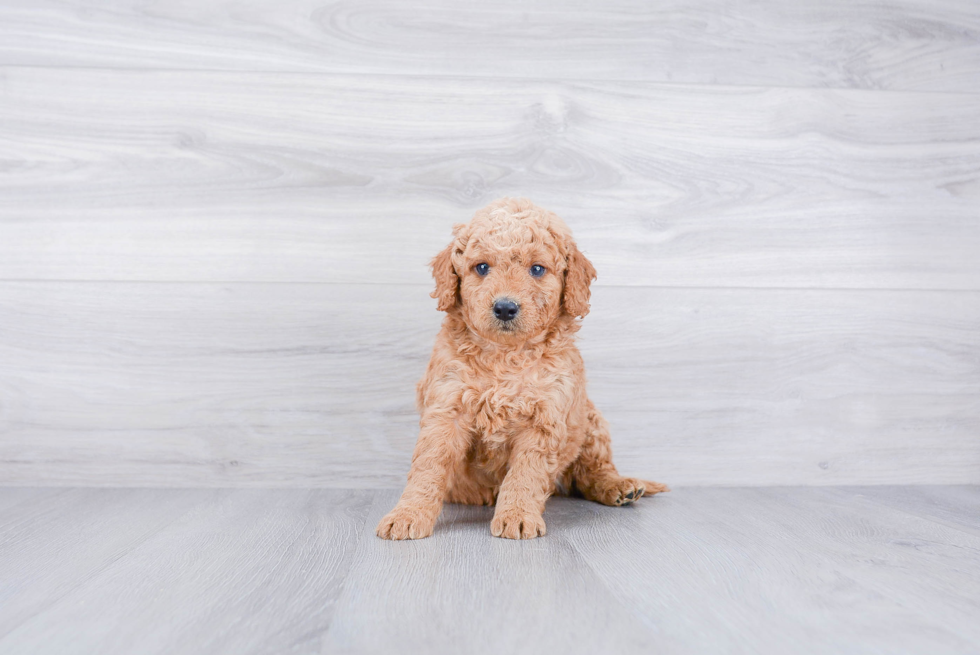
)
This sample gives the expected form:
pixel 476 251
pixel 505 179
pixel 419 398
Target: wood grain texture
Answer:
pixel 898 44
pixel 767 571
pixel 55 542
pixel 481 594
pixel 953 506
pixel 282 384
pixel 12 496
pixel 184 176
pixel 239 571
pixel 786 569
pixel 215 221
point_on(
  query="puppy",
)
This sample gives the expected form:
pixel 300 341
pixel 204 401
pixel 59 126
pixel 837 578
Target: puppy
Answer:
pixel 505 417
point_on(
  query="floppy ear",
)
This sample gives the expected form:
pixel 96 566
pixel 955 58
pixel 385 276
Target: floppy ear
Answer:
pixel 447 284
pixel 579 274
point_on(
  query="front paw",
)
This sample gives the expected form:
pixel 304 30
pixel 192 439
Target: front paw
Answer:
pixel 517 524
pixel 406 522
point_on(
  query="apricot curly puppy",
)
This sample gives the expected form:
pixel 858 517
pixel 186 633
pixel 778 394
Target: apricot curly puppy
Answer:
pixel 505 416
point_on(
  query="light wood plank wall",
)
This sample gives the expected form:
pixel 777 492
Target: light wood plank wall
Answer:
pixel 215 220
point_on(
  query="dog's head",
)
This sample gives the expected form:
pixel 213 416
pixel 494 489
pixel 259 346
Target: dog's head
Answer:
pixel 512 272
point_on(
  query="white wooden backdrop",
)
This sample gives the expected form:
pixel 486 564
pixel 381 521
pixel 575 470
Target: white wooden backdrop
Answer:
pixel 215 219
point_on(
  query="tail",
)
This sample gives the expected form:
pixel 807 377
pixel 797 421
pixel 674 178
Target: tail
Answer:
pixel 650 488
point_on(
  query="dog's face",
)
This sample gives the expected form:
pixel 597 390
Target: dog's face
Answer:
pixel 512 272
pixel 510 295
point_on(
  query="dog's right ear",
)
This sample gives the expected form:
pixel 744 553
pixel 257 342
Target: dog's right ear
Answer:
pixel 447 282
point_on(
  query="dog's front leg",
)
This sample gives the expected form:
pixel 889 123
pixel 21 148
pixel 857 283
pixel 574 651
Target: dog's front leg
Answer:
pixel 439 446
pixel 526 487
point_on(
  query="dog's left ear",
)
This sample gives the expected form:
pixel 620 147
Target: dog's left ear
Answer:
pixel 579 274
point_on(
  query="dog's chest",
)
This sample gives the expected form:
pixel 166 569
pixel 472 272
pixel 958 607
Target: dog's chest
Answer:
pixel 509 401
pixel 504 406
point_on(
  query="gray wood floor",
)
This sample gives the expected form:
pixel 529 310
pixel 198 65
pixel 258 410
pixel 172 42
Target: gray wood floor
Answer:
pixel 699 570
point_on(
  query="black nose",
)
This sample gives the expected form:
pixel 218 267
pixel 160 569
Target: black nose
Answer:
pixel 505 309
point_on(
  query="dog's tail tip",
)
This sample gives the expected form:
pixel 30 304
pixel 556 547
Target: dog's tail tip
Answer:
pixel 650 488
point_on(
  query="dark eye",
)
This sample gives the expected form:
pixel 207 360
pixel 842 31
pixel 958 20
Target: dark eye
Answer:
pixel 482 268
pixel 537 270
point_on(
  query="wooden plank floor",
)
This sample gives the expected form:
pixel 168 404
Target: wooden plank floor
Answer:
pixel 699 570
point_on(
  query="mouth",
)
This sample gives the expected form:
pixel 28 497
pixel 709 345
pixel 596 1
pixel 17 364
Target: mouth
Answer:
pixel 506 327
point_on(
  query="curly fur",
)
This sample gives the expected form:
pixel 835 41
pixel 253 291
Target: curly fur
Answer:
pixel 505 418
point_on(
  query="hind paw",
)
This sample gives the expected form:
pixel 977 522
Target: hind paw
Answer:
pixel 620 492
